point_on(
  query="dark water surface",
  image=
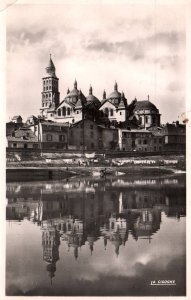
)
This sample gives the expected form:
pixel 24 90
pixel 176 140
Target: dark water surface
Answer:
pixel 96 237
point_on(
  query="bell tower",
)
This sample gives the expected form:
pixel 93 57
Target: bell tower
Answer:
pixel 50 93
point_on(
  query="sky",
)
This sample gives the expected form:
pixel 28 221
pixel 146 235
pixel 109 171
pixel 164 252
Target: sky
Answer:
pixel 141 46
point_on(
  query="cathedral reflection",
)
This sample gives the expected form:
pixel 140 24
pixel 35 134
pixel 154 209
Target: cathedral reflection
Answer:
pixel 78 214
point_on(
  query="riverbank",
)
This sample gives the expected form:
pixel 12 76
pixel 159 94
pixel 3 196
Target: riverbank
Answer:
pixel 55 173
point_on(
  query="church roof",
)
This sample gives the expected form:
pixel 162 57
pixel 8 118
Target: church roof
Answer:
pixel 145 104
pixel 91 99
pixel 115 94
pixel 50 69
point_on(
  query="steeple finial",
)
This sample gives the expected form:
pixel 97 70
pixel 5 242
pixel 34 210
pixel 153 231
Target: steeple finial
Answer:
pixel 104 94
pixel 122 95
pixel 115 86
pixel 90 90
pixel 75 84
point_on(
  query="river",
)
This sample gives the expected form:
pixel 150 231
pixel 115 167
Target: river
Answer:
pixel 113 236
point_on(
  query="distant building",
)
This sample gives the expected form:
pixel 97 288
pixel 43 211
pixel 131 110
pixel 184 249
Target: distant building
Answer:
pixel 50 93
pixel 147 113
pixel 111 110
pixel 32 120
pixel 174 137
pixel 23 138
pixel 51 135
pixel 17 119
pixel 140 140
pixel 88 135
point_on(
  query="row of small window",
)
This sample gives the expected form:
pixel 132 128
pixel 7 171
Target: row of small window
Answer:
pixel 49 138
pixel 146 149
pixel 45 96
pixel 35 146
pixel 46 88
pixel 146 142
pixel 146 120
pixel 64 111
pixel 49 81
pixel 45 104
pixel 108 112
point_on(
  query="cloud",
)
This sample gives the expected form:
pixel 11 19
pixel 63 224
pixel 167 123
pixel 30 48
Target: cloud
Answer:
pixel 140 48
pixel 146 48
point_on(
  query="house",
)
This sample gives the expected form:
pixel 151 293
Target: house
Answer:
pixel 174 136
pixel 23 138
pixel 88 135
pixel 51 135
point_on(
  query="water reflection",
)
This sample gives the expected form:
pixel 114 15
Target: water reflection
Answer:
pixel 81 214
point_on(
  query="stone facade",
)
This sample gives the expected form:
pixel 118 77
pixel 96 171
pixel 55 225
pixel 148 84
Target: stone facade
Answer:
pixel 23 138
pixel 140 140
pixel 88 135
pixel 52 135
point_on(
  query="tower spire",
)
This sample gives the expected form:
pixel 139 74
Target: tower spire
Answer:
pixel 90 90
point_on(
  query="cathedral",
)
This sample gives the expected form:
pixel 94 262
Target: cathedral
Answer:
pixel 112 110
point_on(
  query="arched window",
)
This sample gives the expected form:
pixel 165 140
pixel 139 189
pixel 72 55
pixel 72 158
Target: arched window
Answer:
pixel 106 111
pixel 68 111
pixel 46 95
pixel 111 112
pixel 59 112
pixel 50 95
pixel 64 110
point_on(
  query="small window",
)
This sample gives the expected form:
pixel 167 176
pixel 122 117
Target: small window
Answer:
pixel 145 142
pixel 111 112
pixel 14 145
pixel 61 138
pixel 146 119
pixel 68 111
pixel 49 137
pixel 160 141
pixel 120 113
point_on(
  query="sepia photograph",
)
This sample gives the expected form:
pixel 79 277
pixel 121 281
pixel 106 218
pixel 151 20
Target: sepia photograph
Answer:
pixel 96 121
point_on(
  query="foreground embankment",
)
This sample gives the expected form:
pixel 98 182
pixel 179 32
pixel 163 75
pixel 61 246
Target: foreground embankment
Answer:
pixel 54 173
pixel 54 166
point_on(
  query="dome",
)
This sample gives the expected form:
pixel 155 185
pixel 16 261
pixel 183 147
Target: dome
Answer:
pixel 145 105
pixel 91 98
pixel 74 95
pixel 115 96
